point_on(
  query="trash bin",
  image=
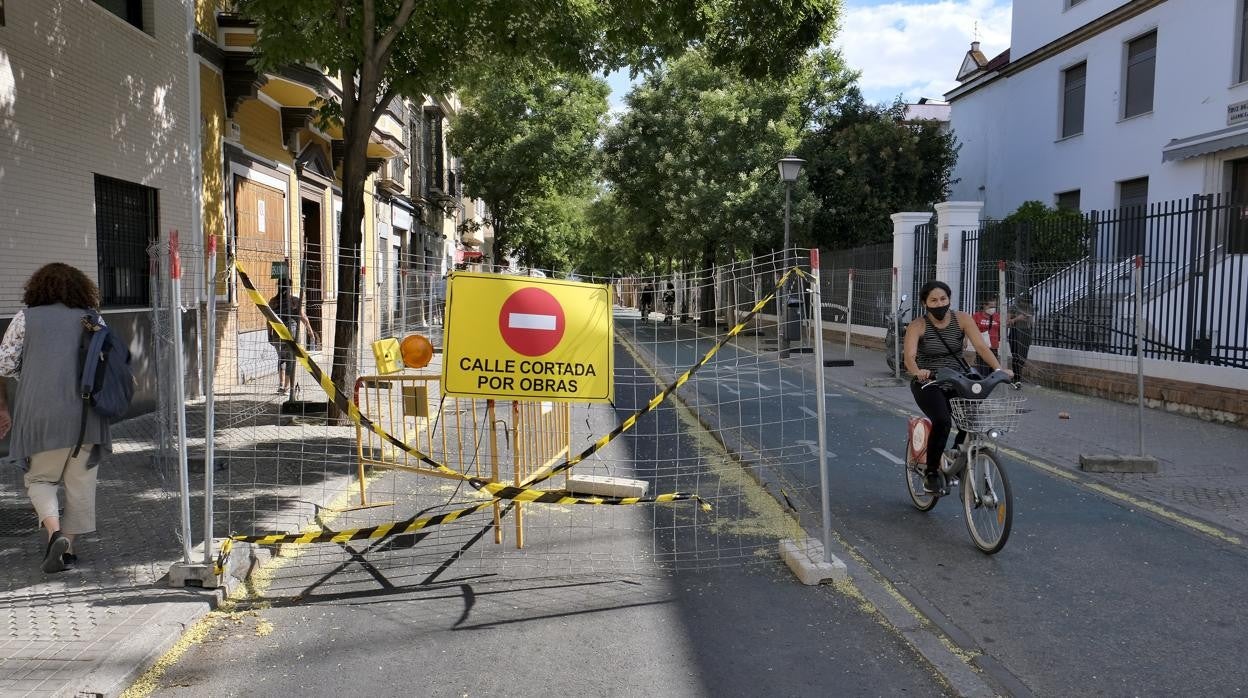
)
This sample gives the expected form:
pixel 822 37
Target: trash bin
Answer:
pixel 792 327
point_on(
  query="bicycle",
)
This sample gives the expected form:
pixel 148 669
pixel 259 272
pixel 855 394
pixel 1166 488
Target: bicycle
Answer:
pixel 973 466
pixel 896 328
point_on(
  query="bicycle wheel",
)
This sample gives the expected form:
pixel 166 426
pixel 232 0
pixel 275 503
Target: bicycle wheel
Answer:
pixel 922 501
pixel 987 502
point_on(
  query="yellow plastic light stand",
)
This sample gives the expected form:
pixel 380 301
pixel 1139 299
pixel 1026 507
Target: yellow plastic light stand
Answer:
pixel 389 357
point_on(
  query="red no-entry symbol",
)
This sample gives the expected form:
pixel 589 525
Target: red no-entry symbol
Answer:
pixel 531 321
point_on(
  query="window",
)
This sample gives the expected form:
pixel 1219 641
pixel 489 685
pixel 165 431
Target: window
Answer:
pixel 125 224
pixel 1072 3
pixel 1068 200
pixel 1132 216
pixel 1141 66
pixel 1240 76
pixel 435 166
pixel 1237 232
pixel 1074 83
pixel 129 10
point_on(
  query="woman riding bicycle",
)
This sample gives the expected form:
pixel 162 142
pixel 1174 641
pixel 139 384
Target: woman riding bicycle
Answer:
pixel 935 341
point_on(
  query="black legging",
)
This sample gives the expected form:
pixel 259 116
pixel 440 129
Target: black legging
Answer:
pixel 935 404
pixel 1020 344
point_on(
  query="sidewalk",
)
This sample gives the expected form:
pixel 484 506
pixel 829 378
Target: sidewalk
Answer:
pixel 1198 475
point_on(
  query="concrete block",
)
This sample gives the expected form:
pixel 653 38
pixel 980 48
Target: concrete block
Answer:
pixel 607 486
pixel 1110 463
pixel 805 558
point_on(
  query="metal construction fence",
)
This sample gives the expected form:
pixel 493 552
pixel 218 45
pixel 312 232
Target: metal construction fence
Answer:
pixel 260 442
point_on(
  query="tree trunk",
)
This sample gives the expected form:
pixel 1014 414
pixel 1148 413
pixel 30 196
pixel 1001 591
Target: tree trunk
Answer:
pixel 351 264
pixel 706 282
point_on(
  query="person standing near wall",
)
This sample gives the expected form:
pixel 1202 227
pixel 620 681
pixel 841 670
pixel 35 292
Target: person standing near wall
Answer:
pixel 289 309
pixel 41 347
pixel 989 324
pixel 1020 334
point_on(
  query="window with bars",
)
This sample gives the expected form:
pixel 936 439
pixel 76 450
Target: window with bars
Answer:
pixel 1140 74
pixel 1074 84
pixel 125 224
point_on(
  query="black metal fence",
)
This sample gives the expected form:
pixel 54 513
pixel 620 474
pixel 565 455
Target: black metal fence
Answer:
pixel 1076 272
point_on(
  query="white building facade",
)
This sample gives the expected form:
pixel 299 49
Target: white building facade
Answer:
pixel 1099 104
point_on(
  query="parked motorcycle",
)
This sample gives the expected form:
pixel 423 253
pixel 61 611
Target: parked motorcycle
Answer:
pixel 897 321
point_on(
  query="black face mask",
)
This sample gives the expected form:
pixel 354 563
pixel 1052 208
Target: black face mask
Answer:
pixel 939 312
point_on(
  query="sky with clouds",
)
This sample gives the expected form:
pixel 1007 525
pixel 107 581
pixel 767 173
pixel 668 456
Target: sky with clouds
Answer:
pixel 907 47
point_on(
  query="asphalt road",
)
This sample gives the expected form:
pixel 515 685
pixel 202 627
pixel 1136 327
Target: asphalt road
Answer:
pixel 380 624
pixel 1090 597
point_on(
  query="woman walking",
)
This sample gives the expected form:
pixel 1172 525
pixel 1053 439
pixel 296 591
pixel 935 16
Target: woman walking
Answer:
pixel 41 349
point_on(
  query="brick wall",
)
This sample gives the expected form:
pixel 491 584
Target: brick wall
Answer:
pixel 1208 402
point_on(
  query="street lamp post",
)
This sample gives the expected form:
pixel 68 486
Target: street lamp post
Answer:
pixel 790 166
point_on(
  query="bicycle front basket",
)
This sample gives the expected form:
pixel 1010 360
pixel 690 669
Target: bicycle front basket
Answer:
pixel 989 414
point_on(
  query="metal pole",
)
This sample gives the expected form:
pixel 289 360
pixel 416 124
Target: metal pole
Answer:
pixel 782 305
pixel 1003 317
pixel 821 408
pixel 179 390
pixel 849 313
pixel 1139 346
pixel 210 370
pixel 897 334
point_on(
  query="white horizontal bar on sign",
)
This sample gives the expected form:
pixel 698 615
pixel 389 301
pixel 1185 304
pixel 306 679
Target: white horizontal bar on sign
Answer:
pixel 529 321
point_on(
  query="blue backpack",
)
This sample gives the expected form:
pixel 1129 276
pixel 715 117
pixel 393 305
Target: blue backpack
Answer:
pixel 106 383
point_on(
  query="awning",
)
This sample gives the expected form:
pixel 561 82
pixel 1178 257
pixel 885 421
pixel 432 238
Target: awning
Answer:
pixel 1205 143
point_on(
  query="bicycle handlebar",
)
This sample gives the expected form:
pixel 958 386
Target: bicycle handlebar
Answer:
pixel 970 385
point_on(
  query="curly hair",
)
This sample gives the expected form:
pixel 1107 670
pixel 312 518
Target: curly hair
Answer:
pixel 61 283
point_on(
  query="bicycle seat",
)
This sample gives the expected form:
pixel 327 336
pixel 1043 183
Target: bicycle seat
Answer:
pixel 969 385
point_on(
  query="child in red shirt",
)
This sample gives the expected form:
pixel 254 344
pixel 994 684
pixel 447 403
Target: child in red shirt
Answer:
pixel 990 328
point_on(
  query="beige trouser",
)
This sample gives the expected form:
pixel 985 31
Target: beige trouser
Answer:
pixel 51 468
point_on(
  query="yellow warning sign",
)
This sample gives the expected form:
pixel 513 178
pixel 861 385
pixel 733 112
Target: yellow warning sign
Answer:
pixel 527 339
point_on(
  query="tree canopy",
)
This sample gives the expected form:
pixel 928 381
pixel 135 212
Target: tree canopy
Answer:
pixel 864 163
pixel 528 145
pixel 692 161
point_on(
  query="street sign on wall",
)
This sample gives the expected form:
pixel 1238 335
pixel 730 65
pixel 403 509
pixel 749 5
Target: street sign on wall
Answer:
pixel 521 338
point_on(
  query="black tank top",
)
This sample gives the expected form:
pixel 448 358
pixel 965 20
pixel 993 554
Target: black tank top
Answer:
pixel 933 353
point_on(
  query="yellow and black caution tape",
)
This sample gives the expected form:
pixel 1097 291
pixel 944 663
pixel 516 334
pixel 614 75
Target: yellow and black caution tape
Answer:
pixel 498 491
pixel 218 567
pixel 526 494
pixel 394 528
pixel 657 400
pixel 340 400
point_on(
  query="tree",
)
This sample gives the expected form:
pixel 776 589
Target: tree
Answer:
pixel 383 48
pixel 526 144
pixel 864 163
pixel 692 161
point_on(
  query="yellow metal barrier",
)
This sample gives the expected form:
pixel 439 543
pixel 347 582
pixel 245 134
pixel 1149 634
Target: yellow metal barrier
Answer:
pixel 461 433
